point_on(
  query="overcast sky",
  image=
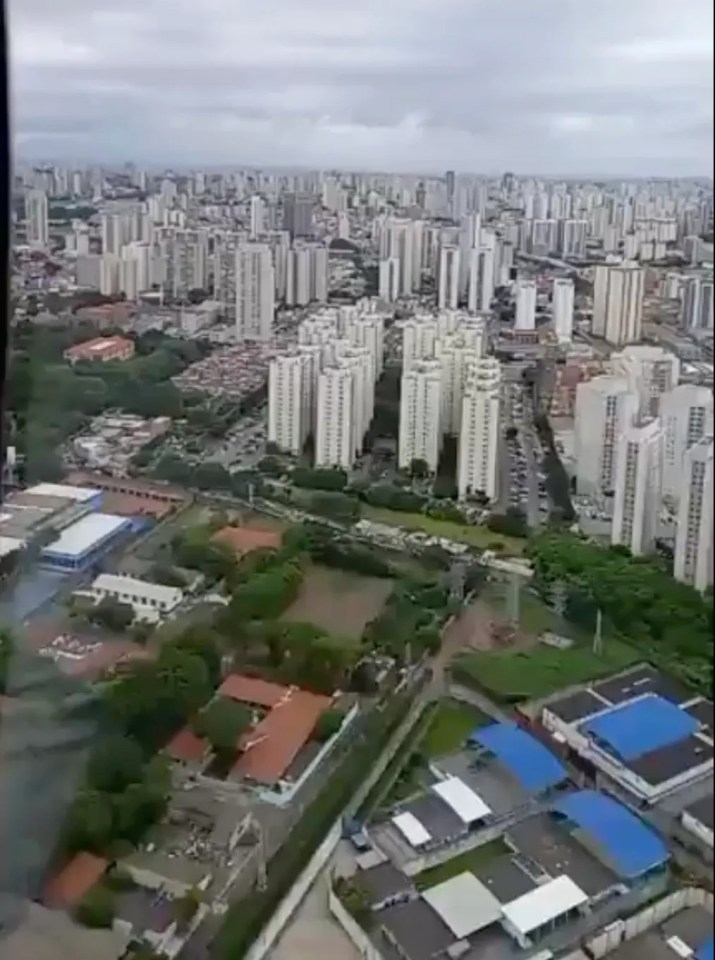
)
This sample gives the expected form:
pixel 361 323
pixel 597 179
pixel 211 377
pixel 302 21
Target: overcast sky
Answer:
pixel 611 87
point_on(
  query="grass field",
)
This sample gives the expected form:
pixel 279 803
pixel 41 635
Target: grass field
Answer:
pixel 338 602
pixel 515 675
pixel 450 727
pixel 472 860
pixel 475 536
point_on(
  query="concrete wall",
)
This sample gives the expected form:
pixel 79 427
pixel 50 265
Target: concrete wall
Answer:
pixel 365 947
pixel 623 930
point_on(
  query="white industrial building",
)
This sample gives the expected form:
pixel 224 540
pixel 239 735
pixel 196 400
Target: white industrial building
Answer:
pixel 149 601
pixel 562 309
pixel 686 413
pixel 420 413
pixel 479 433
pixel 605 408
pixel 638 487
pixel 694 532
pixel 81 542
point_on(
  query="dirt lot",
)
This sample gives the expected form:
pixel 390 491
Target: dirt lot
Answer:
pixel 339 603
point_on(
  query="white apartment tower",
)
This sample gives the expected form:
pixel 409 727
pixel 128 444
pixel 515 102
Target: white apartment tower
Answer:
pixel 368 330
pixel 287 414
pixel 697 310
pixel 694 533
pixel 480 279
pixel 389 279
pixel 478 449
pixel 650 371
pixel 255 292
pixel 686 413
pixel 334 444
pixel 525 305
pixel 456 353
pixel 636 505
pixel 605 408
pixel 420 431
pixel 37 217
pixel 618 302
pixel 448 278
pixel 562 308
pixel 307 275
pixel 418 341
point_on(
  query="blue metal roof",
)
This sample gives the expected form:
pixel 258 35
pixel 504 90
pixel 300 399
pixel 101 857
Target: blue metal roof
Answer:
pixel 706 951
pixel 632 847
pixel 637 728
pixel 528 761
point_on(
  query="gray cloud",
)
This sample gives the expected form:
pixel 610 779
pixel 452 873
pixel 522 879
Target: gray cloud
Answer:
pixel 554 86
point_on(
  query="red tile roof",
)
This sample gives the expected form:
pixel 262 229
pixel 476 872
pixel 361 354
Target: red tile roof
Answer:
pixel 272 746
pixel 185 746
pixel 71 884
pixel 251 690
pixel 245 539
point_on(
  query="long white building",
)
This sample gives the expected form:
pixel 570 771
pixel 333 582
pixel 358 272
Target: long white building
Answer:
pixel 694 533
pixel 636 505
pixel 562 308
pixel 686 413
pixel 618 303
pixel 605 408
pixel 288 413
pixel 479 433
pixel 420 408
pixel 255 292
pixel 334 443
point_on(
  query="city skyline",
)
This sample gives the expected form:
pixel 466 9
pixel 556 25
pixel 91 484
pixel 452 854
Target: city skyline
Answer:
pixel 612 89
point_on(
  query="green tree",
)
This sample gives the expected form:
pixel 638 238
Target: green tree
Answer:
pixel 222 723
pixel 97 909
pixel 186 908
pixel 328 725
pixel 419 469
pixel 90 825
pixel 113 614
pixel 115 763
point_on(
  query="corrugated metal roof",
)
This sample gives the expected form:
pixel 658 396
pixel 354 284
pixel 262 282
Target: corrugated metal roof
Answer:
pixel 634 729
pixel 527 760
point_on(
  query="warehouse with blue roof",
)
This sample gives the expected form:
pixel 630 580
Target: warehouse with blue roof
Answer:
pixel 631 848
pixel 527 760
pixel 650 738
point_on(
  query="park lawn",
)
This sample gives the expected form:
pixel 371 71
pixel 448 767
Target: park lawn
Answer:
pixel 474 536
pixel 515 675
pixel 450 727
pixel 472 861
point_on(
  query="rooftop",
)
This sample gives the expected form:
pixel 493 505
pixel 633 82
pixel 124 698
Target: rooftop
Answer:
pixel 529 761
pixel 80 537
pixel 636 682
pixel 641 726
pixel 63 491
pixel 464 904
pixel 544 904
pixel 702 811
pixel 141 589
pixel 576 706
pixel 51 935
pixel 416 928
pixel 71 884
pixel 629 846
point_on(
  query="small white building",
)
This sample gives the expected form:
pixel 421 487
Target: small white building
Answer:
pixel 150 601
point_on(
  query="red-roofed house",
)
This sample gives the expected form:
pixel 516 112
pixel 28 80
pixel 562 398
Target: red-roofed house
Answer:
pixel 246 539
pixel 71 884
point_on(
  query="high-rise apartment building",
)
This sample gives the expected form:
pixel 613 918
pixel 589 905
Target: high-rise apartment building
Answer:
pixel 481 278
pixel 562 308
pixel 418 339
pixel 479 431
pixel 618 302
pixel 307 275
pixel 334 443
pixel 402 240
pixel 420 435
pixel 298 214
pixel 368 330
pixel 448 278
pixel 694 533
pixel 605 408
pixel 389 279
pixel 37 218
pixel 650 371
pixel 636 505
pixel 255 292
pixel 287 395
pixel 184 257
pixel 257 217
pixel 697 310
pixel 525 305
pixel 686 413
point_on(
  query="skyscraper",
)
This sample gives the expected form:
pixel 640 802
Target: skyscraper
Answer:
pixel 420 435
pixel 307 275
pixel 298 214
pixel 618 302
pixel 334 444
pixel 562 307
pixel 636 504
pixel 389 279
pixel 650 371
pixel 605 408
pixel 448 278
pixel 255 293
pixel 686 413
pixel 478 445
pixel 36 214
pixel 525 305
pixel 287 417
pixel 694 533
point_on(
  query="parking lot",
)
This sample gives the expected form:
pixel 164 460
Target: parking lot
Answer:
pixel 244 445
